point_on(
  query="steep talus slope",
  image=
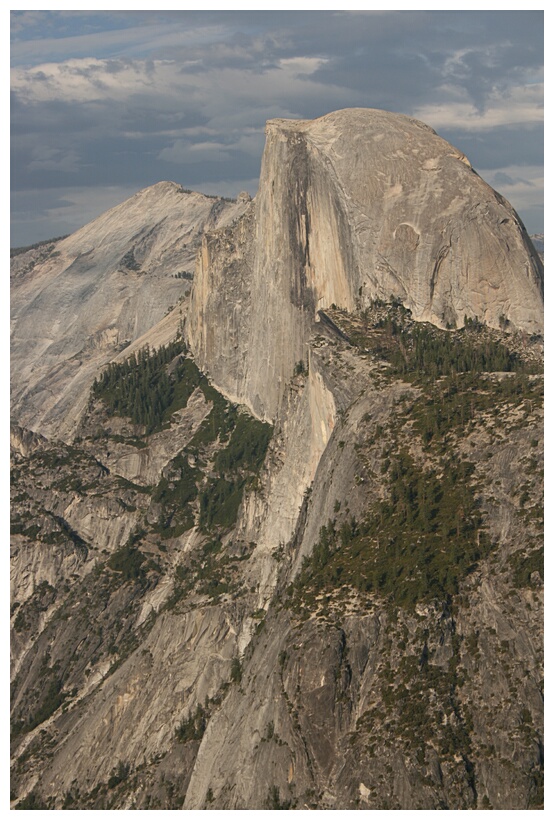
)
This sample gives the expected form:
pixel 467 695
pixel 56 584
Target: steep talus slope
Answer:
pixel 343 609
pixel 356 205
pixel 97 291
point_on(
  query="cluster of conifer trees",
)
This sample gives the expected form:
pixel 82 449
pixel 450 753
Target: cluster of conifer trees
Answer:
pixel 428 533
pixel 427 351
pixel 141 388
pixel 415 545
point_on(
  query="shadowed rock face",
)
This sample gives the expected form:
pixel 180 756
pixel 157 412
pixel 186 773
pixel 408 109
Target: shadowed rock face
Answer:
pixel 356 205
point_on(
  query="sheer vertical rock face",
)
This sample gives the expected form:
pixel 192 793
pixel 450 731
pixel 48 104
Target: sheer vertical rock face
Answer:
pixel 357 205
pixel 220 312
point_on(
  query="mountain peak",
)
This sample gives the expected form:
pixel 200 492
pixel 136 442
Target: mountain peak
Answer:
pixel 99 289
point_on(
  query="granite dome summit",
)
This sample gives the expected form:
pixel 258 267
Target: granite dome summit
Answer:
pixel 356 205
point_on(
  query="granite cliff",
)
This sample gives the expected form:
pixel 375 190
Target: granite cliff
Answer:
pixel 285 551
pixel 357 205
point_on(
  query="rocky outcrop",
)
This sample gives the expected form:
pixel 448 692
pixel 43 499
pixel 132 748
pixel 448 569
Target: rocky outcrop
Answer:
pixel 317 690
pixel 25 441
pixel 357 205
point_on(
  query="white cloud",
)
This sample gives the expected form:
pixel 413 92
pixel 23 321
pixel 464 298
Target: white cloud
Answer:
pixel 88 80
pixel 520 105
pixel 217 90
pixel 302 65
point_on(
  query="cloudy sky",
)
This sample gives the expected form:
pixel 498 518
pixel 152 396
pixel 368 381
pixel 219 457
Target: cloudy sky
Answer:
pixel 106 103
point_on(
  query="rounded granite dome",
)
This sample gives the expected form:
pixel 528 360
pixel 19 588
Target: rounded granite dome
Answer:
pixel 422 225
pixel 356 205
